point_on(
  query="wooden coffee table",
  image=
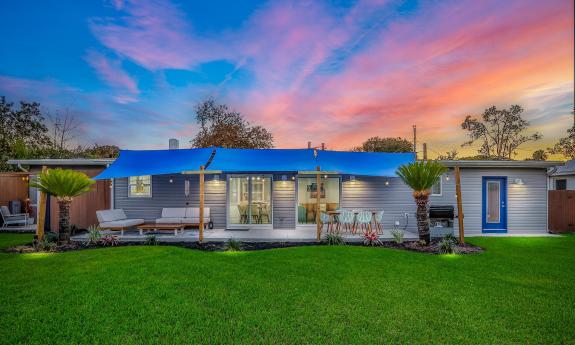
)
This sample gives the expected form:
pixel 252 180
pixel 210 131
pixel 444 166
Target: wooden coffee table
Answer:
pixel 157 227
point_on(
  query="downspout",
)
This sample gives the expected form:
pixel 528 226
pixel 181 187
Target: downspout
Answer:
pixel 21 168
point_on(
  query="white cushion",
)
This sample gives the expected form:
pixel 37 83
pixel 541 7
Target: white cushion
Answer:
pixel 110 215
pixel 122 223
pixel 174 212
pixel 194 212
pixel 170 220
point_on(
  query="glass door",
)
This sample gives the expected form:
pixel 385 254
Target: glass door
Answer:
pixel 494 215
pixel 249 200
pixel 307 190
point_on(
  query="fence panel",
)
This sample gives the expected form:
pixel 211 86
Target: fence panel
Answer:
pixel 561 210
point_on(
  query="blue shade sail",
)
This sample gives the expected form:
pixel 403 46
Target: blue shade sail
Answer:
pixel 156 162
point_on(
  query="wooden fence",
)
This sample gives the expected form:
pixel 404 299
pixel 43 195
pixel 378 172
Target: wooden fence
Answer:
pixel 561 210
pixel 13 186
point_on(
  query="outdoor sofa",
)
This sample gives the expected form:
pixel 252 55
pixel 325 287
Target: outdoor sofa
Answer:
pixel 116 220
pixel 184 215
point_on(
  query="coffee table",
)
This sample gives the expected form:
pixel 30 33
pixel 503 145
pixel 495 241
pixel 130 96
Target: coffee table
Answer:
pixel 157 227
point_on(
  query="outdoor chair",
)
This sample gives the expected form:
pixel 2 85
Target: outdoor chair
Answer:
pixel 325 219
pixel 363 220
pixel 243 210
pixel 378 219
pixel 20 219
pixel 346 221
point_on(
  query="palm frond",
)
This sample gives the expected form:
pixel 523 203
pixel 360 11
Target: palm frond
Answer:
pixel 63 183
pixel 421 175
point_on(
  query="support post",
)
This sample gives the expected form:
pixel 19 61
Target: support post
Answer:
pixel 460 215
pixel 41 216
pixel 201 226
pixel 415 141
pixel 424 151
pixel 318 203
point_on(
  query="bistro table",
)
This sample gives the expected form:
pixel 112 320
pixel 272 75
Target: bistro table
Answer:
pixel 335 214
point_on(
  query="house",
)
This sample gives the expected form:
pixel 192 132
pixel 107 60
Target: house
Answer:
pixel 563 177
pixel 272 189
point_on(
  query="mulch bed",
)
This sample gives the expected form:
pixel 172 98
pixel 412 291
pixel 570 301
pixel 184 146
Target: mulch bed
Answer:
pixel 415 246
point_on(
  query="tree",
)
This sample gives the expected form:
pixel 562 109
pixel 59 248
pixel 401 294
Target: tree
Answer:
pixel 22 131
pixel 566 145
pixel 377 144
pixel 65 185
pixel 448 156
pixel 64 128
pixel 101 151
pixel 222 127
pixel 500 131
pixel 539 155
pixel 421 176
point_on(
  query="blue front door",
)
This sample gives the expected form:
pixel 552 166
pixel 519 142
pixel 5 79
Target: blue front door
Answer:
pixel 494 214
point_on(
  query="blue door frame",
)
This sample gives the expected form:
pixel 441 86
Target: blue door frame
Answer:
pixel 494 224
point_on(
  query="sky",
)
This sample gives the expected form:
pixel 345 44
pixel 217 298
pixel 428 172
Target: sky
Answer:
pixel 336 72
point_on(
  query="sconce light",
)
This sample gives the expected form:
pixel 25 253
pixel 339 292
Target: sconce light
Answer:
pixel 387 182
pixel 352 178
pixel 446 177
pixel 293 178
pixel 324 176
pixel 284 178
pixel 518 181
pixel 171 179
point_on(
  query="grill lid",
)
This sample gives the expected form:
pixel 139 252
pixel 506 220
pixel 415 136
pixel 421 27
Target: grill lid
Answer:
pixel 441 211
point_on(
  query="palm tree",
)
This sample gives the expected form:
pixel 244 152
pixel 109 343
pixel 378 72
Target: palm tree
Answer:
pixel 421 176
pixel 64 185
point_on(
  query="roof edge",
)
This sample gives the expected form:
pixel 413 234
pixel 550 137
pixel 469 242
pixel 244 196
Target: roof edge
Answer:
pixel 500 164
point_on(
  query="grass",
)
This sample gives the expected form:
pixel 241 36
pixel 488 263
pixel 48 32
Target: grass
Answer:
pixel 519 291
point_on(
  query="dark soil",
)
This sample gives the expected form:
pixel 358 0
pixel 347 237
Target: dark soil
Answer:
pixel 249 246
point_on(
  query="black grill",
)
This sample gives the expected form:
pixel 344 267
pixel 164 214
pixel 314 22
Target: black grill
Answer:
pixel 441 212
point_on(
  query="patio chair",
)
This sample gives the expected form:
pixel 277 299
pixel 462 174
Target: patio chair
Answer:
pixel 20 219
pixel 363 220
pixel 346 221
pixel 325 219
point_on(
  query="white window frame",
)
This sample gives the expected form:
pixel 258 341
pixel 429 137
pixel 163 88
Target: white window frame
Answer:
pixel 130 195
pixel 440 187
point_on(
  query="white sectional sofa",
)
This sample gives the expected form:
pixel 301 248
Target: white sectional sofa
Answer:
pixel 187 215
pixel 116 220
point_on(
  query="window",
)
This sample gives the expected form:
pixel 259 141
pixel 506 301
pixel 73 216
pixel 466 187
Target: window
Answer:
pixel 436 188
pixel 140 186
pixel 561 184
pixel 307 197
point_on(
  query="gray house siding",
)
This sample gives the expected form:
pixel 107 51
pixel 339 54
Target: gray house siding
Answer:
pixel 570 181
pixel 284 200
pixel 166 194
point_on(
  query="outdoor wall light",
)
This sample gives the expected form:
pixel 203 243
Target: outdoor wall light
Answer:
pixel 171 180
pixel 324 176
pixel 284 178
pixel 519 181
pixel 446 177
pixel 386 182
pixel 352 178
pixel 293 178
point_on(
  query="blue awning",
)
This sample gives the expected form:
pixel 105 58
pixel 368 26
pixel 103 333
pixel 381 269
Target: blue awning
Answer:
pixel 156 162
pixel 363 163
pixel 262 160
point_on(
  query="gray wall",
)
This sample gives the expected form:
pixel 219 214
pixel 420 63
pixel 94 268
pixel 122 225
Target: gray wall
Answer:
pixel 526 206
pixel 166 194
pixel 570 181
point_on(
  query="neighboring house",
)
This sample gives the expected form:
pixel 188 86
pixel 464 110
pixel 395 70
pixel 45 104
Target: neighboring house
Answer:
pixel 276 189
pixel 563 177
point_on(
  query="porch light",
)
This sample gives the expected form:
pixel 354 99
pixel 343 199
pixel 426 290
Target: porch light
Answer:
pixel 518 181
pixel 386 182
pixel 446 177
pixel 324 176
pixel 171 180
pixel 293 178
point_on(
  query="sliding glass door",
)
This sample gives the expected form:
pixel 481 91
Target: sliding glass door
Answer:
pixel 250 200
pixel 307 197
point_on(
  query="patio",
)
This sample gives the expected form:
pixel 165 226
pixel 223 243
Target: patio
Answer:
pixel 252 235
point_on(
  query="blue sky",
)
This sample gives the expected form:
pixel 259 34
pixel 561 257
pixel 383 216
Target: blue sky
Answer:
pixel 336 72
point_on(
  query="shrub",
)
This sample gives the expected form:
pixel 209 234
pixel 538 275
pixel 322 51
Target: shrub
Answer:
pixel 46 245
pixel 334 240
pixel 51 237
pixel 398 235
pixel 233 245
pixel 151 240
pixel 74 229
pixel 94 235
pixel 109 241
pixel 450 237
pixel 447 246
pixel 371 238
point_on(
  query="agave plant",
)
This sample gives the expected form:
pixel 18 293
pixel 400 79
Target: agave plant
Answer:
pixel 421 176
pixel 64 185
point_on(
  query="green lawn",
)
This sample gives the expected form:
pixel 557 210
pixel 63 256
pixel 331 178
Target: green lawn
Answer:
pixel 521 291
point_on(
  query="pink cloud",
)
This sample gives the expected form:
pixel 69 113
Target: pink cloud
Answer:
pixel 112 73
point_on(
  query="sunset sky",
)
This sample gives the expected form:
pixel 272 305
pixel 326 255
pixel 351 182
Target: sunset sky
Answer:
pixel 335 72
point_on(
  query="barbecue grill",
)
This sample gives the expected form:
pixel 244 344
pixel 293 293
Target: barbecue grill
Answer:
pixel 441 220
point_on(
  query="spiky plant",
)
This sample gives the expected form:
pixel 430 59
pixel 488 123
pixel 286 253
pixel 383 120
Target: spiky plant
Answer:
pixel 421 176
pixel 64 185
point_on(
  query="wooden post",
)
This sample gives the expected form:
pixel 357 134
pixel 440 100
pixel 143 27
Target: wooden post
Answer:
pixel 318 203
pixel 424 151
pixel 41 216
pixel 201 226
pixel 459 205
